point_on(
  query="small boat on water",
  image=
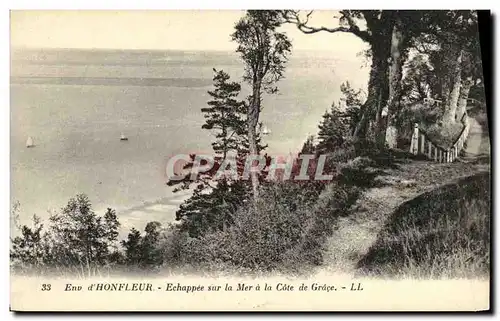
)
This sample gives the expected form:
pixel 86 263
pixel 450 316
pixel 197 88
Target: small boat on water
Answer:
pixel 123 137
pixel 29 142
pixel 265 131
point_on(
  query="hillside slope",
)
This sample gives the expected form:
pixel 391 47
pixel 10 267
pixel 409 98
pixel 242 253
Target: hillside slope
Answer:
pixel 358 231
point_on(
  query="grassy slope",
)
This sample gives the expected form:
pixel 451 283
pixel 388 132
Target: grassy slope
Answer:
pixel 441 233
pixel 358 231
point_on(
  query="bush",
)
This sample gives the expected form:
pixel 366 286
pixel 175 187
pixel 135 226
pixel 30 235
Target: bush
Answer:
pixel 262 232
pixel 425 114
pixel 445 135
pixel 358 172
pixel 29 249
pixel 283 231
pixel 209 210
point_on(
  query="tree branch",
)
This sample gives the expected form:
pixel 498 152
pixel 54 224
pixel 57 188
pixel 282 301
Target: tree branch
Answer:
pixel 293 17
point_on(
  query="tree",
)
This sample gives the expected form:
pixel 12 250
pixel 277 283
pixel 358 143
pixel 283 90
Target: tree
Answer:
pixel 79 236
pixel 208 212
pixel 452 46
pixel 212 200
pixel 399 44
pixel 340 121
pixel 30 247
pixel 309 147
pixel 142 250
pixel 264 52
pixel 133 250
pixel 351 102
pixel 419 81
pixel 151 253
pixel 379 25
pixel 225 114
pixel 333 130
pixel 390 34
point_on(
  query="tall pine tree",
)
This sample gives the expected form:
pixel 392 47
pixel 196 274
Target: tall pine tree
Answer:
pixel 225 115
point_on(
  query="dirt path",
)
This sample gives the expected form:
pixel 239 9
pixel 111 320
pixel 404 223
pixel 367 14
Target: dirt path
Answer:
pixel 356 233
pixel 478 142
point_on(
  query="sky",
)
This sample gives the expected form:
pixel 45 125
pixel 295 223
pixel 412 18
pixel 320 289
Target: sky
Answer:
pixel 179 29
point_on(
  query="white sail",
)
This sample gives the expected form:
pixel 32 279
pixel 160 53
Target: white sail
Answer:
pixel 29 142
pixel 265 131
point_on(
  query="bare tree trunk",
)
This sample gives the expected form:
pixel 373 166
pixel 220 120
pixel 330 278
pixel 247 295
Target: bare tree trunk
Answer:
pixel 389 130
pixel 451 88
pixel 367 127
pixel 253 120
pixel 464 95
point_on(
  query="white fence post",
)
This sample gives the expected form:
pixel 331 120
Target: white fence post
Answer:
pixel 414 140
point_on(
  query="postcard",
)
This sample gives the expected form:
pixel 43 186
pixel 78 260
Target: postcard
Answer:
pixel 250 160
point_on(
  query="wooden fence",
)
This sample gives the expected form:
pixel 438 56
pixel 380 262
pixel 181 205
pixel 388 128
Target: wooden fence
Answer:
pixel 422 144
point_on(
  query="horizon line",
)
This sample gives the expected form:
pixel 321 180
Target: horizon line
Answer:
pixel 145 49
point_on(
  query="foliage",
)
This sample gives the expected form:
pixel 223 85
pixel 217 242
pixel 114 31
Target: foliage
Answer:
pixel 225 114
pixel 351 100
pixel 75 237
pixel 29 248
pixel 287 225
pixel 78 239
pixel 262 48
pixel 210 210
pixel 211 200
pixel 132 246
pixel 79 236
pixel 262 232
pixel 143 251
pixel 338 124
pixel 420 80
pixel 309 145
pixel 283 231
pixel 333 130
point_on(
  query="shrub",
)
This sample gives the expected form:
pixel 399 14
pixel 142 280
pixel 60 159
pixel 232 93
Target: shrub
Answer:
pixel 358 172
pixel 29 249
pixel 425 114
pixel 283 230
pixel 209 209
pixel 445 135
pixel 263 231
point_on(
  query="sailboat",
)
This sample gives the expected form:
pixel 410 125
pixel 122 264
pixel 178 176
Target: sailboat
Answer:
pixel 29 142
pixel 123 137
pixel 265 130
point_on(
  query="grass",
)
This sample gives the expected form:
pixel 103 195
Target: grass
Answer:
pixel 440 234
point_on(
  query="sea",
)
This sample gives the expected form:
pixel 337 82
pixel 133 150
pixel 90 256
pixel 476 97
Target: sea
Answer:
pixel 75 104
